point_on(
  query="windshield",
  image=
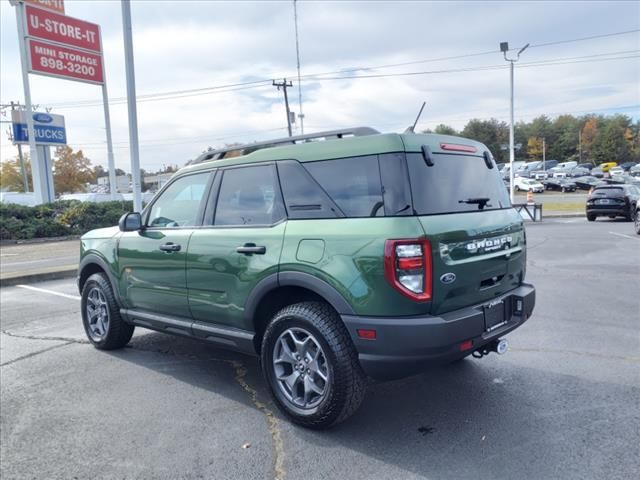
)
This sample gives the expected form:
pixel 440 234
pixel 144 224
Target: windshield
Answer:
pixel 455 183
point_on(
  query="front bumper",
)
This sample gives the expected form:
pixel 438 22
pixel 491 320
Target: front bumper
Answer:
pixel 407 345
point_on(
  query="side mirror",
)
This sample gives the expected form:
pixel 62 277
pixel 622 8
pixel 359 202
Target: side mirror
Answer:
pixel 130 222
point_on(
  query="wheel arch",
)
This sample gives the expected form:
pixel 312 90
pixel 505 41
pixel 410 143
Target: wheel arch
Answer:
pixel 278 290
pixel 91 264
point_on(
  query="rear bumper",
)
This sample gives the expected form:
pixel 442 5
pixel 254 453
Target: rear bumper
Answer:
pixel 407 345
pixel 620 210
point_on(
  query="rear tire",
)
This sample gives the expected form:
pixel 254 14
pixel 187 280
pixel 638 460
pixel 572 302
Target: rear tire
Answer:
pixel 637 221
pixel 591 217
pixel 101 319
pixel 311 365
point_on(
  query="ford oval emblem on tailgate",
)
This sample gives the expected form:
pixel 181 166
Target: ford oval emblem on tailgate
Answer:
pixel 448 278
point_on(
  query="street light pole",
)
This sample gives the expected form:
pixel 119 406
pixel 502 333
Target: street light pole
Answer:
pixel 134 148
pixel 504 48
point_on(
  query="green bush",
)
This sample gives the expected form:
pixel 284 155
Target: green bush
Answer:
pixel 69 217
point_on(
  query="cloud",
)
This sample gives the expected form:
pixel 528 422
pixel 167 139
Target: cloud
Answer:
pixel 189 45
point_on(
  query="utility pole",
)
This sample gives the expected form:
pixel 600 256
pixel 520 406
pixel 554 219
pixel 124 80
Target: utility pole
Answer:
pixel 284 84
pixel 300 114
pixel 544 154
pixel 23 168
pixel 580 144
pixel 504 48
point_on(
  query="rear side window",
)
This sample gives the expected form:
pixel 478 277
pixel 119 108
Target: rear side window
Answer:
pixel 455 183
pixel 179 204
pixel 303 197
pixel 249 196
pixel 352 183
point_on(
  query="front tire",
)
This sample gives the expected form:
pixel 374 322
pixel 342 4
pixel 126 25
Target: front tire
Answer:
pixel 311 366
pixel 637 221
pixel 101 319
pixel 591 217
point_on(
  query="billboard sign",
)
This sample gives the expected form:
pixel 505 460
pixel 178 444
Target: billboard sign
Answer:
pixel 53 5
pixel 63 62
pixel 54 27
pixel 49 128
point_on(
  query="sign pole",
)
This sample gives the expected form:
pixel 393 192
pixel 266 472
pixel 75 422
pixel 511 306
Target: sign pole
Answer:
pixel 113 184
pixel 38 188
pixel 131 103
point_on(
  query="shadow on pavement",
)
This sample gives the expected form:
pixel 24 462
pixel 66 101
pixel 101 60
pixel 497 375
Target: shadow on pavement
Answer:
pixel 473 419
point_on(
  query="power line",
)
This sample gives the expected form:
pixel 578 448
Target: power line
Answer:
pixel 263 82
pixel 592 58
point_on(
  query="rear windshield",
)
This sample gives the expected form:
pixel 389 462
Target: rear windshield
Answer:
pixel 611 190
pixel 455 183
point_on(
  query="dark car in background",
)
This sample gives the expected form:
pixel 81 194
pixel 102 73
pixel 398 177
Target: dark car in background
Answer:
pixel 613 201
pixel 560 184
pixel 626 166
pixel 588 166
pixel 578 172
pixel 587 182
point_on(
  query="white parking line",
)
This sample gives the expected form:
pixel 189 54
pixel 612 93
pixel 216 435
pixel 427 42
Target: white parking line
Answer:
pixel 622 235
pixel 51 292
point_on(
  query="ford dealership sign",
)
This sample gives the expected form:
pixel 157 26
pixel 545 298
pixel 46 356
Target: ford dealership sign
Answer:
pixel 49 128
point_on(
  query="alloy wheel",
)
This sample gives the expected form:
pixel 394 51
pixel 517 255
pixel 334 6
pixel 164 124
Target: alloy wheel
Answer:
pixel 97 311
pixel 300 367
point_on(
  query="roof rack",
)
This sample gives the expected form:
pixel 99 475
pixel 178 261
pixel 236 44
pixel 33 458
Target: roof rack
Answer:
pixel 240 150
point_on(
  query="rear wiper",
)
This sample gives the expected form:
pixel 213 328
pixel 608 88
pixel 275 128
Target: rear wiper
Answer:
pixel 480 201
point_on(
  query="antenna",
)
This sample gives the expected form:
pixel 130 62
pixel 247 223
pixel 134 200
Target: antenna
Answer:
pixel 412 128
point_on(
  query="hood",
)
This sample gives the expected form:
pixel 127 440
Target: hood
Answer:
pixel 107 232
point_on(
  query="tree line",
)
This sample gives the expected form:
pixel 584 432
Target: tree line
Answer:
pixel 589 138
pixel 72 171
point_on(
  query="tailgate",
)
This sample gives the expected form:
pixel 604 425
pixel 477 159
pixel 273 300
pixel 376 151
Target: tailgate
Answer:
pixel 476 256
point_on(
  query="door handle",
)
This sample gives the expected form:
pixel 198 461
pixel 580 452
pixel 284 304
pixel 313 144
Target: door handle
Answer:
pixel 170 247
pixel 251 248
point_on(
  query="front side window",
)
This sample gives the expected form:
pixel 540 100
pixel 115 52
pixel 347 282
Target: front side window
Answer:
pixel 179 204
pixel 249 196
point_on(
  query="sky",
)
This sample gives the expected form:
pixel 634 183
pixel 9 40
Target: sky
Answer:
pixel 444 53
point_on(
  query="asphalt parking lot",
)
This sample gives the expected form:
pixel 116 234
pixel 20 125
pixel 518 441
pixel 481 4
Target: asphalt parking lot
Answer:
pixel 563 403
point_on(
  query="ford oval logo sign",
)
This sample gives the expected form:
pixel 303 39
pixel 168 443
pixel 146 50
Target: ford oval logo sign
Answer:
pixel 448 278
pixel 43 118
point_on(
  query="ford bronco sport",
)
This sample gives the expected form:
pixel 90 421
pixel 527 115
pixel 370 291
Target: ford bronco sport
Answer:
pixel 361 255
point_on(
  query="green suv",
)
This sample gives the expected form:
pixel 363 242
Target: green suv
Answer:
pixel 364 254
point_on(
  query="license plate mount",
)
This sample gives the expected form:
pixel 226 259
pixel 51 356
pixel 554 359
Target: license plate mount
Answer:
pixel 494 315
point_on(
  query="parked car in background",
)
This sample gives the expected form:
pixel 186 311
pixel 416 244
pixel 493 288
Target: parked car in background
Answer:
pixel 91 197
pixel 528 185
pixel 626 166
pixel 616 171
pixel 507 168
pixel 606 166
pixel 588 166
pixel 526 169
pixel 542 172
pixel 598 171
pixel 19 198
pixel 560 184
pixel 587 182
pixel 578 172
pixel 563 165
pixel 613 201
pixel 635 171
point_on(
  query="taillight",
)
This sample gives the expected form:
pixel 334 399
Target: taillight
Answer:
pixel 408 267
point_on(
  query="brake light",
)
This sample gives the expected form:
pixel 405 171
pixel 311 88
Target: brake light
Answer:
pixel 458 148
pixel 408 267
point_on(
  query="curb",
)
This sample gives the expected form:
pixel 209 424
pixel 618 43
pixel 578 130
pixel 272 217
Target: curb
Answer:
pixel 32 241
pixel 562 215
pixel 15 279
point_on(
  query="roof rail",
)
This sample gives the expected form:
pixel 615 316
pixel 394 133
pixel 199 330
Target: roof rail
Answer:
pixel 239 150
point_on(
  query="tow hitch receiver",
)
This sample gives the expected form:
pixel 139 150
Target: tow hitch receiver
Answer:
pixel 499 346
